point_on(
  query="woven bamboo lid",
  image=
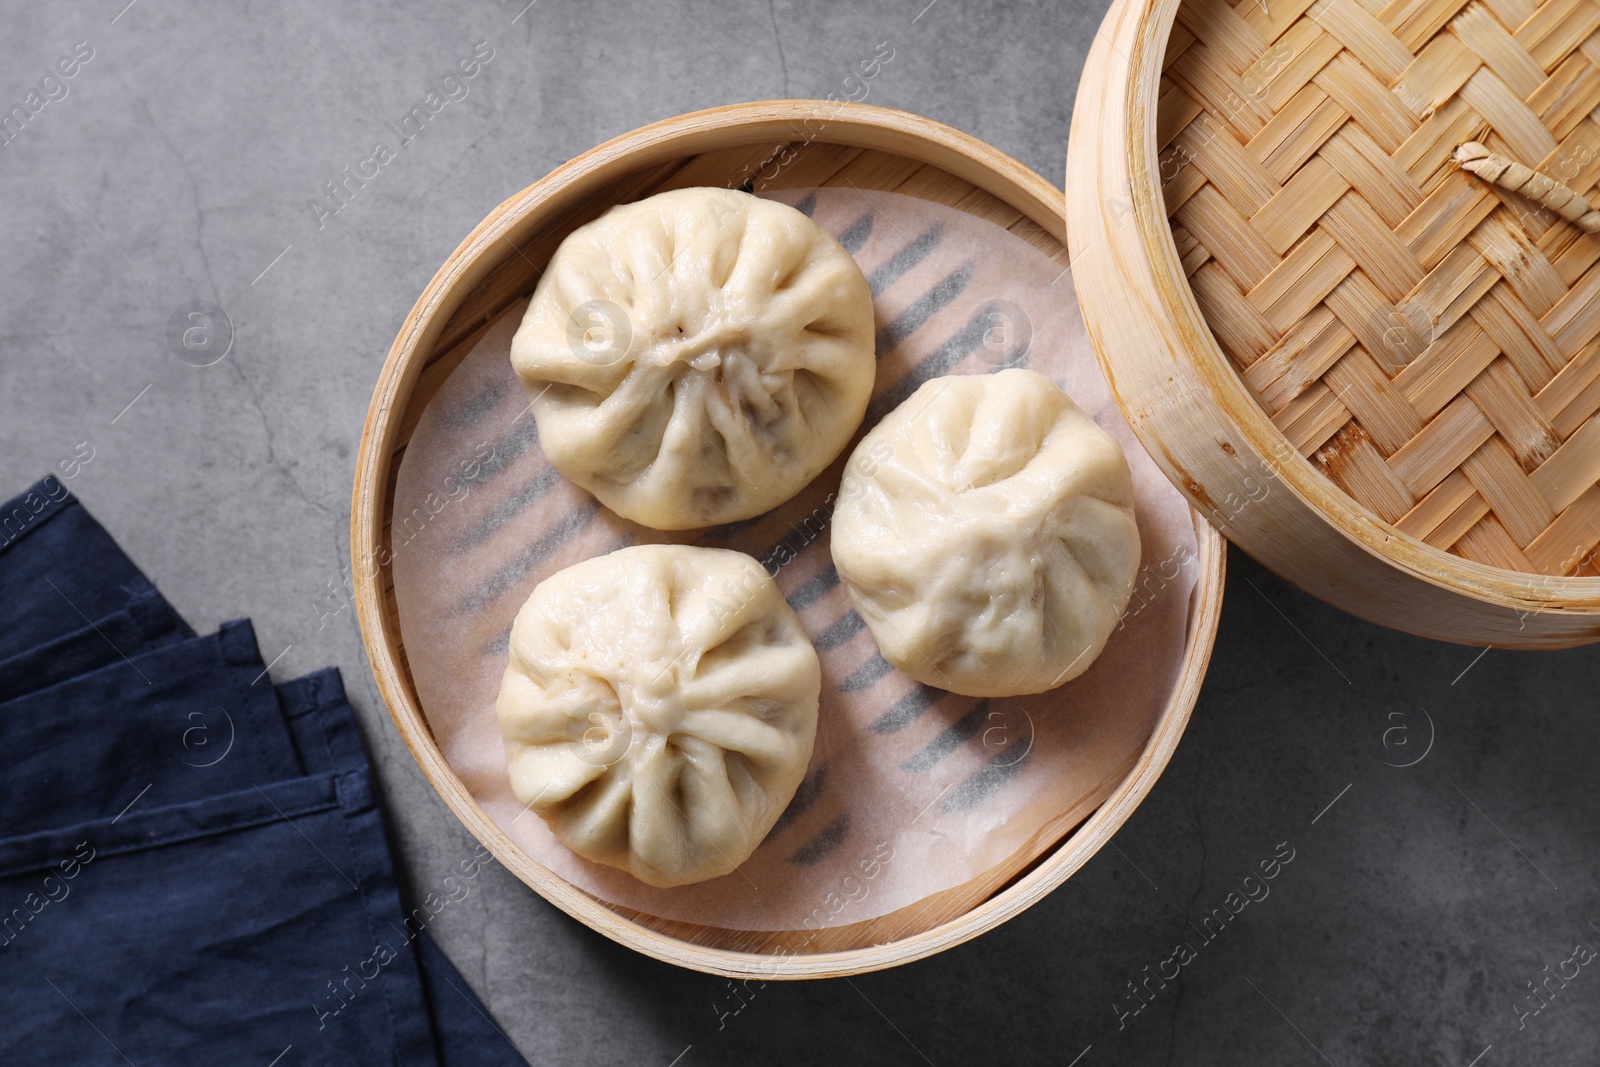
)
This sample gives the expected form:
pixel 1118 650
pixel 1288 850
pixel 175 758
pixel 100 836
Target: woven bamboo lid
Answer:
pixel 1425 337
pixel 1420 339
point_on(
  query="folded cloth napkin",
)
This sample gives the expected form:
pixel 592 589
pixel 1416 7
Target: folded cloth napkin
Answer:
pixel 183 722
pixel 193 866
pixel 464 1032
pixel 225 930
pixel 61 570
pixel 147 622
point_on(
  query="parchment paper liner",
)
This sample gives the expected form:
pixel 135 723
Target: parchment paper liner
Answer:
pixel 911 792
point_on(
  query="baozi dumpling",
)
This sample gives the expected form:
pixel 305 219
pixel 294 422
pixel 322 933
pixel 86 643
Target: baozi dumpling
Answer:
pixel 659 709
pixel 985 533
pixel 697 357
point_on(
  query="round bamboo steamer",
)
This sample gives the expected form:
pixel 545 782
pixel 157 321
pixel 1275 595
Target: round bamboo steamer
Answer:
pixel 780 144
pixel 1374 372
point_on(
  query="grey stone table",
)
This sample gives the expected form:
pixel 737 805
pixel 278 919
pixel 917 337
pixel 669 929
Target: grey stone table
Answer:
pixel 183 162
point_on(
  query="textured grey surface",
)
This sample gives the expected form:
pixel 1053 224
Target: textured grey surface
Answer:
pixel 180 163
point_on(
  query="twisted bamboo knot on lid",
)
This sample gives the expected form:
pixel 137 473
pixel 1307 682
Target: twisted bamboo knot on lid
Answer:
pixel 1473 158
pixel 1429 340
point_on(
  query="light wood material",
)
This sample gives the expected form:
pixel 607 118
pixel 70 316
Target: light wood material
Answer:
pixel 782 144
pixel 1357 359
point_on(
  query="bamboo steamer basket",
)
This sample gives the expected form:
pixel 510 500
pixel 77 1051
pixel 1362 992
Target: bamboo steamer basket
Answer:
pixel 1375 373
pixel 818 143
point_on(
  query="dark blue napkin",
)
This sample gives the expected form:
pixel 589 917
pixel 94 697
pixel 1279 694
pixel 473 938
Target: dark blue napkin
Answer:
pixel 59 571
pixel 464 1032
pixel 225 930
pixel 193 866
pixel 147 622
pixel 186 721
pixel 234 929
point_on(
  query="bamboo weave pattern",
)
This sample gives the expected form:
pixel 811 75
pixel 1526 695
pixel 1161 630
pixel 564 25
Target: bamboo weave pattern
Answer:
pixel 1429 340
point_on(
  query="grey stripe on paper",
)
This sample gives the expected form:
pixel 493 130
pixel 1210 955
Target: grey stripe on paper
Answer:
pixel 818 848
pixel 947 355
pixel 507 577
pixel 988 781
pixel 804 797
pixel 924 308
pixel 840 632
pixel 907 710
pixel 507 509
pixel 523 435
pixel 814 588
pixel 856 234
pixel 472 411
pixel 950 739
pixel 903 260
pixel 866 675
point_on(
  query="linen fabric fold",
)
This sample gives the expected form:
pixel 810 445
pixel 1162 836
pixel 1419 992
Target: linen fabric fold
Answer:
pixel 60 568
pixel 182 722
pixel 146 623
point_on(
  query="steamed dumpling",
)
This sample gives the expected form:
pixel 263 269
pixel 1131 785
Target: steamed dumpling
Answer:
pixel 697 357
pixel 659 709
pixel 985 533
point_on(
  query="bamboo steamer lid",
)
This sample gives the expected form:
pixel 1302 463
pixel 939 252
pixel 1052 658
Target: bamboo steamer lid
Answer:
pixel 1376 372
